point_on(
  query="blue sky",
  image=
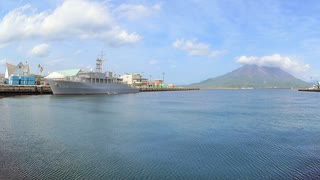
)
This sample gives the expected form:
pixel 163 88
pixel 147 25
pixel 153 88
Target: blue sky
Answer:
pixel 188 40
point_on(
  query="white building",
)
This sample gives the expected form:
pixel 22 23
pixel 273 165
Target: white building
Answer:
pixel 19 70
pixel 132 78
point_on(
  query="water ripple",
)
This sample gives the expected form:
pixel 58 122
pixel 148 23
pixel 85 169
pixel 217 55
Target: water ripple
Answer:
pixel 218 134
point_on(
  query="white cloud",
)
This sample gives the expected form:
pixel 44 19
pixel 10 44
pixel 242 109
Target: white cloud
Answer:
pixel 275 60
pixel 72 19
pixel 153 62
pixel 41 50
pixel 194 48
pixel 135 12
pixel 118 37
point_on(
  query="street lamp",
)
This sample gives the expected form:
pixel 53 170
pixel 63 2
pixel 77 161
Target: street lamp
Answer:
pixel 150 80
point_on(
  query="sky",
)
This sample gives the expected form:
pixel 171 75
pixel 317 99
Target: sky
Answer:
pixel 182 41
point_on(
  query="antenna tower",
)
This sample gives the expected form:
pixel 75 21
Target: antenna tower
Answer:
pixel 99 62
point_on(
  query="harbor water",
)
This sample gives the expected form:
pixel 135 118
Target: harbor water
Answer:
pixel 206 134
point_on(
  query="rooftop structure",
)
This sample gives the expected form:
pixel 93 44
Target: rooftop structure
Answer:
pixel 9 70
pixel 63 74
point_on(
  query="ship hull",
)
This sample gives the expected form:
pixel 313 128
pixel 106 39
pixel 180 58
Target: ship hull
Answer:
pixel 63 87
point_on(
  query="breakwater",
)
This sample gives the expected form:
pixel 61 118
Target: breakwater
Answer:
pixel 168 89
pixel 11 90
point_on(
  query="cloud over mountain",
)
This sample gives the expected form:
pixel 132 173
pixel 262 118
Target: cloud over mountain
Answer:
pixel 275 60
pixel 82 19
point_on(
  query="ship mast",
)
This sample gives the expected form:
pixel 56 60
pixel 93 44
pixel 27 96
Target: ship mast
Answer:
pixel 99 62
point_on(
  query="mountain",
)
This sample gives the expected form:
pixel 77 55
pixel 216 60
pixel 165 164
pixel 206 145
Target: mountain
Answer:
pixel 253 76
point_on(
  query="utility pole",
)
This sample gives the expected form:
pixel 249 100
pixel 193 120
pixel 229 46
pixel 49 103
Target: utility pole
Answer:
pixel 163 77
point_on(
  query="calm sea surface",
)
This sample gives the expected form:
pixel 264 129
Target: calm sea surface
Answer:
pixel 206 134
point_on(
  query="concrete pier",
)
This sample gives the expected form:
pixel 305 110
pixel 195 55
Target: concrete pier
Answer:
pixel 11 90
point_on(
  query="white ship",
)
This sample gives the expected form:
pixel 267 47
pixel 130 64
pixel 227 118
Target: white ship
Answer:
pixel 76 81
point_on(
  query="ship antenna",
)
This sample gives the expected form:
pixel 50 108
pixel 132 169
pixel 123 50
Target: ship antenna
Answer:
pixel 99 62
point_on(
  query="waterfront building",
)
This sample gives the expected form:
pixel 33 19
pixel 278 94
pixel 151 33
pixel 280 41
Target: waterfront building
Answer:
pixel 134 79
pixel 18 75
pixel 158 83
pixel 22 69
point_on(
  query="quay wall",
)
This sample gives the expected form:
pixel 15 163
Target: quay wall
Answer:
pixel 7 90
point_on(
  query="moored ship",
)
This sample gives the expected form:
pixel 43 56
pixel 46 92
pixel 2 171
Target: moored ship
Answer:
pixel 77 81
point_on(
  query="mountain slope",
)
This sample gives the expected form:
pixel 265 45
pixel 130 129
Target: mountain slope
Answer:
pixel 253 76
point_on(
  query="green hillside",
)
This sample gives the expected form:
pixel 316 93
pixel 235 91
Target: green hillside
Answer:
pixel 253 76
